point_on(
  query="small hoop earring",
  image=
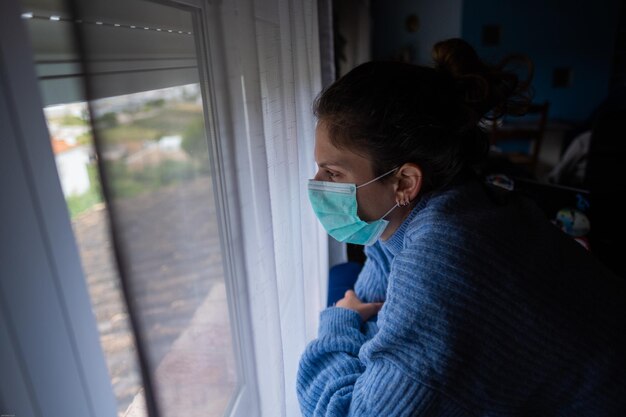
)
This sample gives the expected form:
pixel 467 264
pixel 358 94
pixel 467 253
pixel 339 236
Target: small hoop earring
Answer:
pixel 402 202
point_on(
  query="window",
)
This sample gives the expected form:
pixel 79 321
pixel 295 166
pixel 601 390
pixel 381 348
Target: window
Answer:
pixel 150 119
pixel 250 70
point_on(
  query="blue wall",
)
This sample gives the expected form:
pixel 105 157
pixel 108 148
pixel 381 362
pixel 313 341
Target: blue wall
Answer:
pixel 578 34
pixel 554 33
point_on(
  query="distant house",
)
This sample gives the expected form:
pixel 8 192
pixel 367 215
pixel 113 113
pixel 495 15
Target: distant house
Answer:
pixel 170 143
pixel 168 148
pixel 69 134
pixel 72 162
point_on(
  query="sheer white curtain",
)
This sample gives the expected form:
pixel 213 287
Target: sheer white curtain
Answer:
pixel 271 61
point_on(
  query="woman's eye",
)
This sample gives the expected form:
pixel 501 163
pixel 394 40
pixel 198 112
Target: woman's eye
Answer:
pixel 331 174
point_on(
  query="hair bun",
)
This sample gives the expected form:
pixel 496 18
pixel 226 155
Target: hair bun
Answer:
pixel 483 87
pixel 456 57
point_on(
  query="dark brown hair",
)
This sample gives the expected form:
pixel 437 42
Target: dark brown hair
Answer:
pixel 395 113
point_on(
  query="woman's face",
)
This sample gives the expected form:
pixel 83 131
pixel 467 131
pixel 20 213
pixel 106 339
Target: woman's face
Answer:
pixel 342 165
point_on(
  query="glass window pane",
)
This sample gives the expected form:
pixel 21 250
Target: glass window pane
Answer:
pixel 72 144
pixel 156 158
pixel 148 116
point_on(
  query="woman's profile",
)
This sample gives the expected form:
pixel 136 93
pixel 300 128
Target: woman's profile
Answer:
pixel 467 305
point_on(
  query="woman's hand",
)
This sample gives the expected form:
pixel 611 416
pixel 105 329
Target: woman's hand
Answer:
pixel 352 302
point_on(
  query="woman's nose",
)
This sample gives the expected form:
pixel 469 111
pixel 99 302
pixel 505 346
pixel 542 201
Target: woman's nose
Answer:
pixel 318 175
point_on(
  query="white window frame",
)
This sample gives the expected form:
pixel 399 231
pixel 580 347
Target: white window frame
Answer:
pixel 209 48
pixel 50 354
pixel 30 384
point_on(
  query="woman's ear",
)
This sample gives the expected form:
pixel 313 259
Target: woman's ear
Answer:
pixel 409 183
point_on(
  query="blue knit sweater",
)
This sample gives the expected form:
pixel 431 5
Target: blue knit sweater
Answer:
pixel 489 310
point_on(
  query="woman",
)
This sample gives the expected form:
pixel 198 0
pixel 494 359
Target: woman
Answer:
pixel 483 307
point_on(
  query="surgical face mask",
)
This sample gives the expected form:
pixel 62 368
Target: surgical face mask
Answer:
pixel 335 205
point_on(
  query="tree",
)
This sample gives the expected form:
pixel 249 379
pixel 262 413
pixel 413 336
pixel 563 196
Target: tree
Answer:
pixel 107 120
pixel 194 138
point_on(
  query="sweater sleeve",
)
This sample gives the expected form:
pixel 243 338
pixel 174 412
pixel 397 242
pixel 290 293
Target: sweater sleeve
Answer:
pixel 342 374
pixel 334 382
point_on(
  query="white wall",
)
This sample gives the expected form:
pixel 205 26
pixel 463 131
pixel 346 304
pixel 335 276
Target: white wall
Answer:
pixel 438 20
pixel 72 168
